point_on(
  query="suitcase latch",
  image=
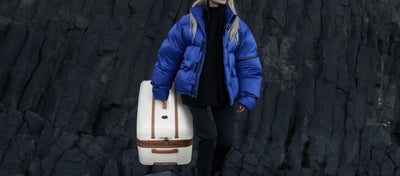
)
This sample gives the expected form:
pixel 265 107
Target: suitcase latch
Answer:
pixel 166 142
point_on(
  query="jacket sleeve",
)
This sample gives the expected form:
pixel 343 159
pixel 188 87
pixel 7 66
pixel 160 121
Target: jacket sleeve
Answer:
pixel 168 60
pixel 248 66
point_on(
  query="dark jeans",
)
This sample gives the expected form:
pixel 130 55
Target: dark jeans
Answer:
pixel 214 133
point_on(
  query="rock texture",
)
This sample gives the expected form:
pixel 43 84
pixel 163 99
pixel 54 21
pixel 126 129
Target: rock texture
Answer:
pixel 70 73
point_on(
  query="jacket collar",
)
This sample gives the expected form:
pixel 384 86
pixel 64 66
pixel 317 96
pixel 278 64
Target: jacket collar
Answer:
pixel 198 15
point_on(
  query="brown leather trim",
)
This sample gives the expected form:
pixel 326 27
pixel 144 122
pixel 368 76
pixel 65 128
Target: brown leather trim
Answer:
pixel 169 163
pixel 161 143
pixel 164 151
pixel 176 116
pixel 152 119
pixel 164 105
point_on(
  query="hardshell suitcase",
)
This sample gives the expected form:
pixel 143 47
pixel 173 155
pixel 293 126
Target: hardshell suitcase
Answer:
pixel 164 132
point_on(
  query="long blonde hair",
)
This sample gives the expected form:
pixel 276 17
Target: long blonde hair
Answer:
pixel 233 30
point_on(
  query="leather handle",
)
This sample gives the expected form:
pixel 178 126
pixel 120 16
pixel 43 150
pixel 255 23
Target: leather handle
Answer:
pixel 164 104
pixel 176 116
pixel 153 136
pixel 164 151
pixel 165 163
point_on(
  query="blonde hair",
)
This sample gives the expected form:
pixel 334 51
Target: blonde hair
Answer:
pixel 233 30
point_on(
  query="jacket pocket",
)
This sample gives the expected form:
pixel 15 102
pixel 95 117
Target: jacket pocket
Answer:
pixel 187 61
pixel 183 81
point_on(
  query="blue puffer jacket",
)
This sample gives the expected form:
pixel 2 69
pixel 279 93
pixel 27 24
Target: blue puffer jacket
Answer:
pixel 182 58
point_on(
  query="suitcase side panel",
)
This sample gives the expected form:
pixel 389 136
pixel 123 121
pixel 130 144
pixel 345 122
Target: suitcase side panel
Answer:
pixel 144 111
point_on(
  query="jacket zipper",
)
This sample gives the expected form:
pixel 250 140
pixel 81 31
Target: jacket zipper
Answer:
pixel 252 57
pixel 203 49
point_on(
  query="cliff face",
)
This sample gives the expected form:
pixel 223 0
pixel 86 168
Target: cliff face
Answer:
pixel 70 73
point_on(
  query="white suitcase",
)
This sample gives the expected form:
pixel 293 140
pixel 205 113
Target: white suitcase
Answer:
pixel 164 132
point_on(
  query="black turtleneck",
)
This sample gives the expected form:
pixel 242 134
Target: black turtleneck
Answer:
pixel 212 88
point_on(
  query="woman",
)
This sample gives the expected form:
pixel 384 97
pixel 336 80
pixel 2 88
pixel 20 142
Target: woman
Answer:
pixel 212 56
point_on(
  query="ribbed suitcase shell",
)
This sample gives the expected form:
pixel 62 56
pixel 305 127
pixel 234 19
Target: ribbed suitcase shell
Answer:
pixel 163 137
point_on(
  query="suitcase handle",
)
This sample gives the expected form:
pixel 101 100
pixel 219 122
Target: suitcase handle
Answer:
pixel 164 151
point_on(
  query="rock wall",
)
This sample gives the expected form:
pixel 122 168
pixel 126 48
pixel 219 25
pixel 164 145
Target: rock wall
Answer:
pixel 70 73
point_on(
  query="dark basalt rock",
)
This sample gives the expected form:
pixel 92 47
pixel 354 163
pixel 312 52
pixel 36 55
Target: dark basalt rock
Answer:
pixel 70 74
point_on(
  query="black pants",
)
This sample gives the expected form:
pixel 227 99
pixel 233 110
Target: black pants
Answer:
pixel 214 133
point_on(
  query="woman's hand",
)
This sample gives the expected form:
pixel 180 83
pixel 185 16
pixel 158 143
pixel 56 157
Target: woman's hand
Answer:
pixel 165 101
pixel 240 109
